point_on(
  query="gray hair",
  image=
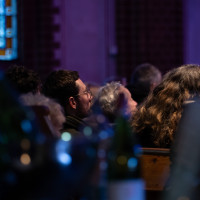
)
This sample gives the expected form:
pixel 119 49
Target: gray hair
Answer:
pixel 107 98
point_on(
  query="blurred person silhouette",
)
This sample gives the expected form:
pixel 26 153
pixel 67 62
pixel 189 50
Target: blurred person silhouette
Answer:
pixel 33 166
pixel 94 88
pixel 144 79
pixel 157 118
pixel 24 80
pixel 112 101
pixel 20 143
pixel 68 89
pixel 55 112
pixel 114 97
pixel 184 176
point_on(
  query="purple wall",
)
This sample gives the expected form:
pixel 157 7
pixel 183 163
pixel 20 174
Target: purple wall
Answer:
pixel 87 34
pixel 191 31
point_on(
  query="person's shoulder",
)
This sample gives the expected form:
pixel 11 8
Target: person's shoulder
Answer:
pixel 73 125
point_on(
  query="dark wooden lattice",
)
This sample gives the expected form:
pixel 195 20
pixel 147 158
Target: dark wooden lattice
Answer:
pixel 149 31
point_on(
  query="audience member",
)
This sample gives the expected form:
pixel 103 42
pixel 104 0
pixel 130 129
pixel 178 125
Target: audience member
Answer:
pixel 156 120
pixel 68 89
pixel 94 88
pixel 109 100
pixel 144 79
pixel 56 115
pixel 183 180
pixel 24 80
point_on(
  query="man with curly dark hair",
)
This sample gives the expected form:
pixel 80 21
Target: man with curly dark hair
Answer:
pixel 67 88
pixel 24 80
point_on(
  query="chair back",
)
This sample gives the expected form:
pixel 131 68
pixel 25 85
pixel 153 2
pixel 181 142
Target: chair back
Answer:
pixel 155 167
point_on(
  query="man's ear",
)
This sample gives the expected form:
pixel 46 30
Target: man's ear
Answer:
pixel 72 102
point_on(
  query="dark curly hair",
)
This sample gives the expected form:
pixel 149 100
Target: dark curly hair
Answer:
pixel 60 85
pixel 161 112
pixel 24 80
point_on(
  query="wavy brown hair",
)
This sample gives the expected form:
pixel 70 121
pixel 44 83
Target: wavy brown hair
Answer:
pixel 162 110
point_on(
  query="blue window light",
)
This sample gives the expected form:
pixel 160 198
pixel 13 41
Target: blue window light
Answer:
pixel 8 29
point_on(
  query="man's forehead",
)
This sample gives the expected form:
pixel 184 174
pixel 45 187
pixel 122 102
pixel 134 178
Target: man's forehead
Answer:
pixel 80 84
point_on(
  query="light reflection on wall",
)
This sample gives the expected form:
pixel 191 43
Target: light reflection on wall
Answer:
pixel 8 29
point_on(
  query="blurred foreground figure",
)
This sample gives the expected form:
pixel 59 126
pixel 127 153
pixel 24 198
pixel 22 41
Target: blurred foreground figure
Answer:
pixel 109 121
pixel 55 116
pixel 144 79
pixel 20 143
pixel 33 166
pixel 157 118
pixel 184 181
pixel 24 80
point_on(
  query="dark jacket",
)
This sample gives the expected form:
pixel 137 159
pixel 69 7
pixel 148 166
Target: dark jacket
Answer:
pixel 73 125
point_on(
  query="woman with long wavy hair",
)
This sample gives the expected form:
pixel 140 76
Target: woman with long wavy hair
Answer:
pixel 157 118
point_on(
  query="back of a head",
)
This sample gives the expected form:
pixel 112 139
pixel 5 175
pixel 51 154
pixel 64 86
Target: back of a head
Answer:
pixel 177 86
pixel 60 85
pixel 24 80
pixel 143 80
pixel 145 74
pixel 108 99
pixel 184 80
